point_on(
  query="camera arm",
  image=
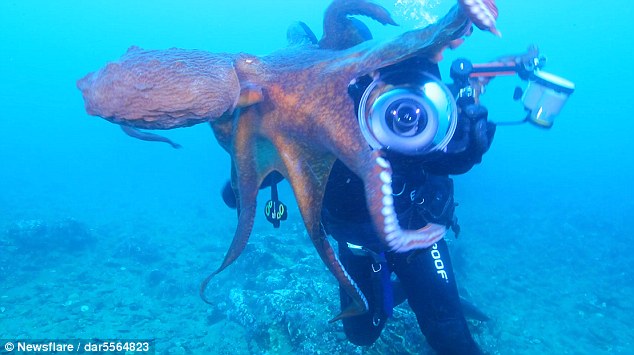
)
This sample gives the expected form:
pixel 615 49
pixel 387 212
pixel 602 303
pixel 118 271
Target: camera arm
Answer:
pixel 470 78
pixel 543 98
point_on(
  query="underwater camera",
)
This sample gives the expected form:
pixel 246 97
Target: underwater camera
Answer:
pixel 409 112
pixel 412 112
pixel 543 98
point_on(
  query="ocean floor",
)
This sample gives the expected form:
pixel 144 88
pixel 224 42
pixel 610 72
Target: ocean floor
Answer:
pixel 113 278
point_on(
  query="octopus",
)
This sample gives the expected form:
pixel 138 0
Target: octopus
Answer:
pixel 286 112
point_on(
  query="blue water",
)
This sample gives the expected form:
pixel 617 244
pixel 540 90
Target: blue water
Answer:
pixel 546 248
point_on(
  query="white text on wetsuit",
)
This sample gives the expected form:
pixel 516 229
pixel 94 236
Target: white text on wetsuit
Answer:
pixel 440 265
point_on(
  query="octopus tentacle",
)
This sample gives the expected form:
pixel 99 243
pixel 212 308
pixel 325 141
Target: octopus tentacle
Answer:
pixel 147 136
pixel 249 168
pixel 299 34
pixel 359 304
pixel 483 13
pixel 309 192
pixel 386 221
pixel 247 197
pixel 425 42
pixel 377 176
pixel 342 32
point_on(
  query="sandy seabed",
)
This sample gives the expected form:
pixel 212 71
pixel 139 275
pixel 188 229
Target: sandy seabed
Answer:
pixel 545 286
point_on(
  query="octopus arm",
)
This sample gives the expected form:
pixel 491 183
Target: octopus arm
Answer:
pixel 341 31
pixel 252 162
pixel 308 173
pixel 427 42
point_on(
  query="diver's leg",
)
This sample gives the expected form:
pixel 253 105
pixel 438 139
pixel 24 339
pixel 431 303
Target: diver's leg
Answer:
pixel 428 279
pixel 360 330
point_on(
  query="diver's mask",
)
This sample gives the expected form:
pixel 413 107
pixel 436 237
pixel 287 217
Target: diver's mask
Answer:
pixel 544 97
pixel 409 112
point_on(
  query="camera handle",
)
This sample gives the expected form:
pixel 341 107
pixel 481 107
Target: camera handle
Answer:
pixel 470 79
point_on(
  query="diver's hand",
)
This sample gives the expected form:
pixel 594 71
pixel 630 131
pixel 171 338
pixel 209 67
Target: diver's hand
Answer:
pixel 474 133
pixel 472 138
pixel 481 130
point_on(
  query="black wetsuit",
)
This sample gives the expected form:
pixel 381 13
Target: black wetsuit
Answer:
pixel 426 276
pixel 423 193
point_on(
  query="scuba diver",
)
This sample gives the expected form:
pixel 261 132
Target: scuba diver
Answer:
pixel 423 193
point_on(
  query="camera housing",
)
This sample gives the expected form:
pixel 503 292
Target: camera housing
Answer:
pixel 409 112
